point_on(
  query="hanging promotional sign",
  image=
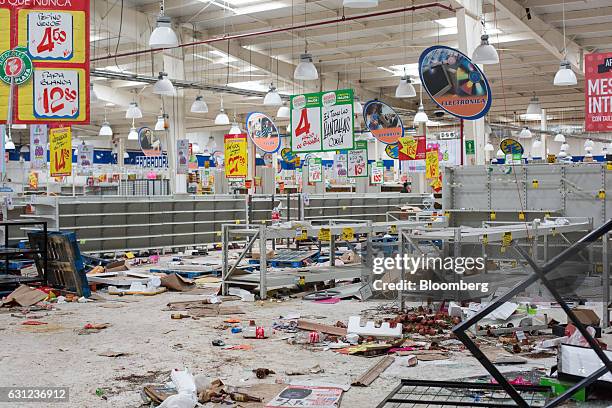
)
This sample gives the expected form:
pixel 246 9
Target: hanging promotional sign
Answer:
pixel 236 163
pixel 288 156
pixel 392 150
pixel 150 142
pixel 182 156
pixel 454 83
pixel 263 132
pixel 384 123
pixel 322 121
pixel 60 149
pixel 450 150
pixel 598 92
pixel 38 146
pixel 315 170
pixel 432 163
pixel 54 35
pixel 357 160
pixel 511 146
pixel 412 147
pixel 193 159
pixel 377 172
pixel 340 165
pixel 85 157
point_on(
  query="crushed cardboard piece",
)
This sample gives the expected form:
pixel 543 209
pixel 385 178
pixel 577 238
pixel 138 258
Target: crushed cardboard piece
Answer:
pixel 177 283
pixel 373 372
pixel 24 296
pixel 319 327
pixel 586 316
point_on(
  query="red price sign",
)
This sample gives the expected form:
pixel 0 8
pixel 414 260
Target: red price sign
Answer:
pixel 50 35
pixel 57 93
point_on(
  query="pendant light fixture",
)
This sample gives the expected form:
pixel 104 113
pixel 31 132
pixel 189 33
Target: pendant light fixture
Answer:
pixel 421 116
pixel 525 133
pixel 199 105
pixel 534 109
pixel 133 111
pixel 163 36
pixel 565 76
pixel 235 129
pixel 105 129
pixel 485 53
pixel 488 147
pixel 283 112
pixel 222 118
pixel 405 89
pixel 272 98
pixel 360 3
pixel 559 138
pixel 8 143
pixel 163 86
pixel 306 70
pixel 162 121
pixel 357 106
pixel 93 96
pixel 133 135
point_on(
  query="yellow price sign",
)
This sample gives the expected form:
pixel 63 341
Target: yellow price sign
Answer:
pixel 609 166
pixel 493 216
pixel 129 255
pixel 602 194
pixel 447 214
pixel 507 239
pixel 324 234
pixel 301 234
pixel 393 229
pixel 485 239
pixel 553 232
pixel 237 221
pixel 535 183
pixel 348 234
pixel 521 216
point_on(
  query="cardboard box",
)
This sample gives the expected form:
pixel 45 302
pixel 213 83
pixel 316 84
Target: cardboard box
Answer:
pixel 586 316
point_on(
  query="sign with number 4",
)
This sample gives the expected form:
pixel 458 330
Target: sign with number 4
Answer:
pixel 50 35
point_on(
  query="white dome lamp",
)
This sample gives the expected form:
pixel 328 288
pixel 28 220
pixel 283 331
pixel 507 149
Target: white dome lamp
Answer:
pixel 272 98
pixel 199 105
pixel 534 109
pixel 133 134
pixel 105 129
pixel 163 36
pixel 161 122
pixel 485 53
pixel 8 144
pixel 306 70
pixel 163 86
pixel 421 116
pixel 405 89
pixel 283 112
pixel 235 129
pixel 499 154
pixel 133 111
pixel 559 138
pixel 489 147
pixel 360 3
pixel 565 76
pixel 222 118
pixel 525 133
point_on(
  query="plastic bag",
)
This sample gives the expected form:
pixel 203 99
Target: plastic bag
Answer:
pixel 179 401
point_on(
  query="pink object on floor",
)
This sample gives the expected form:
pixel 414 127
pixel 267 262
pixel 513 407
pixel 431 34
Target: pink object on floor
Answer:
pixel 330 301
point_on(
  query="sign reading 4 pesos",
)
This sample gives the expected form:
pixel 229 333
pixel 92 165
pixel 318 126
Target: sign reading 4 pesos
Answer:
pixel 15 66
pixel 55 37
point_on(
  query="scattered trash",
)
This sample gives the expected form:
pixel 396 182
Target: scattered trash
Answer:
pixel 263 372
pixel 90 328
pixel 218 343
pixel 373 372
pixel 113 354
pixel 24 296
pixel 307 397
pixel 384 330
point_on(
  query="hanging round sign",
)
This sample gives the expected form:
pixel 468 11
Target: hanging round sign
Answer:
pixel 263 132
pixel 288 156
pixel 150 142
pixel 392 150
pixel 511 146
pixel 15 66
pixel 454 83
pixel 384 123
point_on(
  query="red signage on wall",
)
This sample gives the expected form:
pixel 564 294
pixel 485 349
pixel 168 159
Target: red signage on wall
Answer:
pixel 598 92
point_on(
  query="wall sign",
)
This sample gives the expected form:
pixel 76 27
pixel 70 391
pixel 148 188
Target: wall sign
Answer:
pixel 182 156
pixel 60 147
pixel 340 165
pixel 454 83
pixel 55 35
pixel 322 121
pixel 263 132
pixel 377 172
pixel 511 146
pixel 357 160
pixel 384 123
pixel 150 142
pixel 315 170
pixel 38 146
pixel 15 66
pixel 152 162
pixel 85 157
pixel 432 163
pixel 236 163
pixel 597 92
pixel 412 147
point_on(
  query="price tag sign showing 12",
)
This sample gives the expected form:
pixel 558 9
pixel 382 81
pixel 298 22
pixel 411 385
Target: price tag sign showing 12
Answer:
pixel 57 93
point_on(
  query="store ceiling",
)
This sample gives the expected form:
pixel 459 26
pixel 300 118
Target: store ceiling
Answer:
pixel 367 55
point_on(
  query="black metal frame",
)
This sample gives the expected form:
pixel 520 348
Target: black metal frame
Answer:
pixel 391 398
pixel 8 252
pixel 540 274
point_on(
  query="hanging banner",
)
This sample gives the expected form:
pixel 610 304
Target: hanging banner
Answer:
pixel 454 83
pixel 193 159
pixel 598 92
pixel 55 35
pixel 236 163
pixel 432 164
pixel 322 121
pixel 412 147
pixel 150 142
pixel 340 165
pixel 263 132
pixel 377 172
pixel 60 149
pixel 315 170
pixel 85 157
pixel 357 160
pixel 182 156
pixel 38 146
pixel 450 150
pixel 392 150
pixel 384 123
